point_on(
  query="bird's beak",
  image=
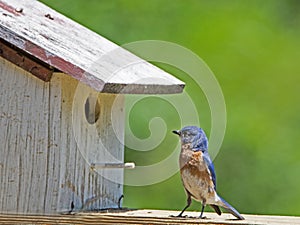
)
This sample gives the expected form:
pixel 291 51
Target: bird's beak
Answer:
pixel 176 132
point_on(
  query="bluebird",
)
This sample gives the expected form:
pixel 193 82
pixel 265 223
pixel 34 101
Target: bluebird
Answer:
pixel 197 172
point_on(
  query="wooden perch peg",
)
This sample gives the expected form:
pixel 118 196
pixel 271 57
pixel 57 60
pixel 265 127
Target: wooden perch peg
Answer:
pixel 128 165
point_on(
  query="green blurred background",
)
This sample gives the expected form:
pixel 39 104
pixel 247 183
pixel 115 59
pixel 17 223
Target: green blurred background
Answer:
pixel 253 48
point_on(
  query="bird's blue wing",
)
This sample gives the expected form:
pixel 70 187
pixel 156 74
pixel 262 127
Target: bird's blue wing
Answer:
pixel 210 166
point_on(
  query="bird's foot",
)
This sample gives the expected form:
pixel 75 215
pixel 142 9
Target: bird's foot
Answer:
pixel 189 217
pixel 203 217
pixel 179 216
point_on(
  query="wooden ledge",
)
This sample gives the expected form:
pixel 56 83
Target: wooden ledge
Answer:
pixel 143 217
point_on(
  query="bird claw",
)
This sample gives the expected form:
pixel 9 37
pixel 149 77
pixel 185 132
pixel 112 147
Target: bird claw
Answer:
pixel 179 216
pixel 202 217
pixel 190 217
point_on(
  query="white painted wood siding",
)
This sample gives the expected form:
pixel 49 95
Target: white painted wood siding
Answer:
pixel 42 166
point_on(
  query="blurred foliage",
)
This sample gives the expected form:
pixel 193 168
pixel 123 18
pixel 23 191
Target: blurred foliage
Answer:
pixel 253 47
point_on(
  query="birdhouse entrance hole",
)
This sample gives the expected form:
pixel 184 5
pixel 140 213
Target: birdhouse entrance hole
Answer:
pixel 92 109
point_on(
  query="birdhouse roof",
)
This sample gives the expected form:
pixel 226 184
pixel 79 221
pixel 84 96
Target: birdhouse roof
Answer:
pixel 49 41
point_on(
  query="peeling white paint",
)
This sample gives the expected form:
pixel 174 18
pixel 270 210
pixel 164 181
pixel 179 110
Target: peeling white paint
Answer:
pixel 41 168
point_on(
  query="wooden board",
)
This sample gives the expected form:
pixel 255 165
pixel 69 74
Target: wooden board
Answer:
pixel 44 165
pixel 145 217
pixel 77 51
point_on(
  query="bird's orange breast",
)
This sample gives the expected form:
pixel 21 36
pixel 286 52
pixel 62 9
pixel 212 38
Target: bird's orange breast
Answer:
pixel 196 177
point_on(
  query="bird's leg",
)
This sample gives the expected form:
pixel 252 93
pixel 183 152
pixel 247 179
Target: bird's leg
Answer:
pixel 189 200
pixel 202 210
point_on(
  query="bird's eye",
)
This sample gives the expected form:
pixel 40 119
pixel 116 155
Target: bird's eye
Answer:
pixel 185 134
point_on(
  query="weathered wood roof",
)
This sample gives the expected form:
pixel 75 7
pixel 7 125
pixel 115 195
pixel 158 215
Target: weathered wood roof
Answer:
pixel 49 37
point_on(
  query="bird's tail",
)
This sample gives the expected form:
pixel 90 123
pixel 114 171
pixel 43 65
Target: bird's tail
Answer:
pixel 230 209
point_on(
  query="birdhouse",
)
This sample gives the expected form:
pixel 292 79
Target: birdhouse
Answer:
pixel 62 91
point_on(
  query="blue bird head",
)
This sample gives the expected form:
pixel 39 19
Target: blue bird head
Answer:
pixel 194 136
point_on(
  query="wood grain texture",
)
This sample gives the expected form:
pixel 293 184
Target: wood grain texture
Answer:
pixel 48 145
pixel 79 52
pixel 146 217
